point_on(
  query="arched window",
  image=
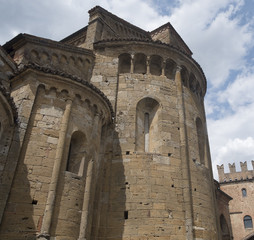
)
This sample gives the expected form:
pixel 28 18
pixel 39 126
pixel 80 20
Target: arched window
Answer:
pixel 124 63
pixel 147 138
pixel 201 140
pixel 156 65
pixel 140 63
pixel 244 192
pixel 247 220
pixel 77 152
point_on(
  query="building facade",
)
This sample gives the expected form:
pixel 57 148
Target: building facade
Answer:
pixel 105 137
pixel 240 186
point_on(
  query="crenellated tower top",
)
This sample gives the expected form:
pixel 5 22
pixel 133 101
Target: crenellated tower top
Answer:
pixel 233 175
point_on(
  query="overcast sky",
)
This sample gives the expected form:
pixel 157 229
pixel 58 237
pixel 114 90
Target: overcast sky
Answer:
pixel 219 33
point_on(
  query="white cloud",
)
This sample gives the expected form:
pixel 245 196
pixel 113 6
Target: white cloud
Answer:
pixel 214 34
pixel 240 92
pixel 232 137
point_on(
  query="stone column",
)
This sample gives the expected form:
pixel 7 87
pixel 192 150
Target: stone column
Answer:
pixel 148 65
pixel 163 68
pixel 184 153
pixel 132 63
pixel 86 201
pixel 85 223
pixel 48 212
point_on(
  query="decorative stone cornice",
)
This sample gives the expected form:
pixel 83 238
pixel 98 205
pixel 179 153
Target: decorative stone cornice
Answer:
pixel 22 39
pixel 49 70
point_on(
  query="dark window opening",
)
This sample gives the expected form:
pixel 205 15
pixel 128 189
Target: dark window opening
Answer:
pixel 244 192
pixel 125 214
pixel 34 202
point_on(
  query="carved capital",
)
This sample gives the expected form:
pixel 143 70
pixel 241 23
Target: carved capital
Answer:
pixel 178 68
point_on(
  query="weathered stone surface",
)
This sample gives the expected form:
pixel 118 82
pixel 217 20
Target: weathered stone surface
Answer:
pixel 111 141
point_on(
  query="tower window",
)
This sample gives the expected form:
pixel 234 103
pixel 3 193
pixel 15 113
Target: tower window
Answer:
pixel 244 192
pixel 248 222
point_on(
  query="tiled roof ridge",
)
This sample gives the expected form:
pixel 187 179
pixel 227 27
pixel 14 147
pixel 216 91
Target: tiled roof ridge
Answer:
pixel 169 25
pixel 7 58
pixel 124 22
pixel 9 99
pixel 24 37
pixel 74 35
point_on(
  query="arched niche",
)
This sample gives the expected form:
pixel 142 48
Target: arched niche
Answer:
pixel 77 154
pixel 193 83
pixel 198 90
pixel 170 69
pixel 140 63
pixel 185 76
pixel 147 118
pixel 124 63
pixel 156 65
pixel 201 140
pixel 224 228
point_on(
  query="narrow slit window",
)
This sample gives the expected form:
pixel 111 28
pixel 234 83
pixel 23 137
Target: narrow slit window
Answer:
pixel 146 128
pixel 244 192
pixel 126 215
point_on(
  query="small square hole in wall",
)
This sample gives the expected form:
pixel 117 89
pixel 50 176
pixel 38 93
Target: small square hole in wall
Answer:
pixel 127 152
pixel 126 215
pixel 169 154
pixel 34 202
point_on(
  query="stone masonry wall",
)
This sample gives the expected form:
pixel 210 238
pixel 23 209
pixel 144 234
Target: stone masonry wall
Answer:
pixel 41 112
pixel 147 188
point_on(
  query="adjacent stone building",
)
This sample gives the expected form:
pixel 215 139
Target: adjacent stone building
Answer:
pixel 240 186
pixel 103 136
